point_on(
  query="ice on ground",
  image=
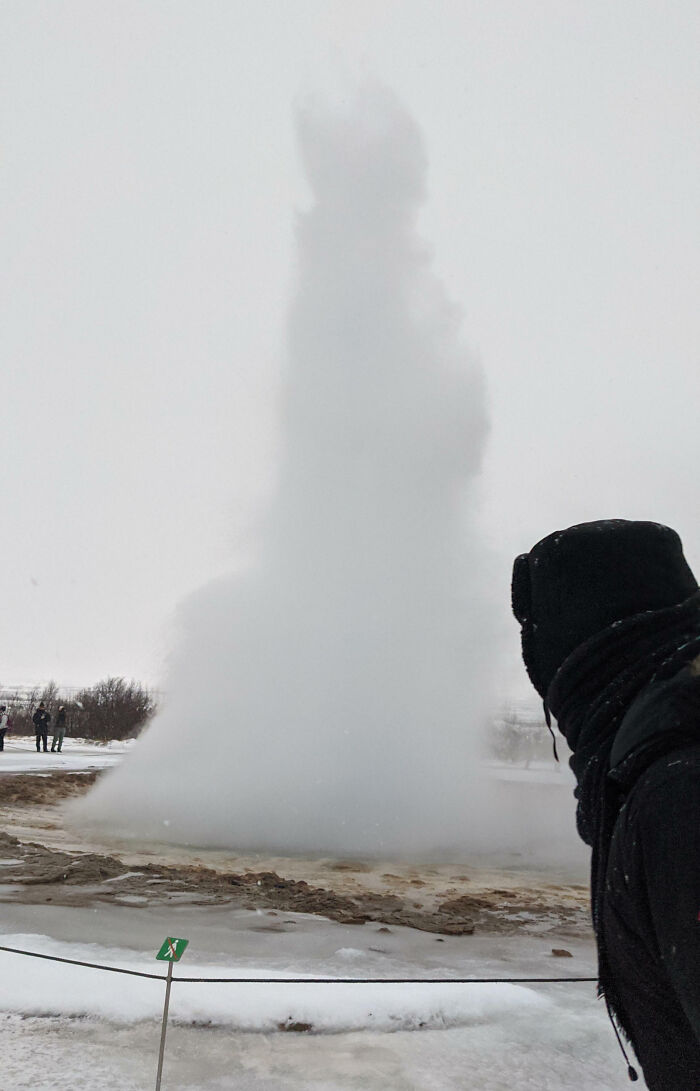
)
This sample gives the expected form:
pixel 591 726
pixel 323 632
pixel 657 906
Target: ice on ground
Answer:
pixel 534 1038
pixel 78 755
pixel 40 987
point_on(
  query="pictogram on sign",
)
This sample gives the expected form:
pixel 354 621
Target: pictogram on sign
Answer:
pixel 172 949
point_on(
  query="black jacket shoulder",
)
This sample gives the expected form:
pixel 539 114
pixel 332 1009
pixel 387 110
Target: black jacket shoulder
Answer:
pixel 664 717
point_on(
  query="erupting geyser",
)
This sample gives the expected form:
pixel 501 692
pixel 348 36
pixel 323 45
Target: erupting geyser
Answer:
pixel 329 700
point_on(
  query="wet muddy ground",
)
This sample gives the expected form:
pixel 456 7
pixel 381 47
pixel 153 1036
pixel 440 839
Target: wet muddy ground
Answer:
pixel 45 860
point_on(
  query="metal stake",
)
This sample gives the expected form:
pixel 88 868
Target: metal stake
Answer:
pixel 169 982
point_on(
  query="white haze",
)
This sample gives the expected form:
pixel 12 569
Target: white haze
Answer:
pixel 341 685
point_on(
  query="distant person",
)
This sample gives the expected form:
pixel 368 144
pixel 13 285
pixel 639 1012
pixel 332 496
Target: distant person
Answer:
pixel 610 618
pixel 41 719
pixel 5 724
pixel 59 731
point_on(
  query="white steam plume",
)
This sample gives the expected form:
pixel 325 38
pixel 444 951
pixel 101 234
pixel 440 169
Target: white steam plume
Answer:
pixel 329 700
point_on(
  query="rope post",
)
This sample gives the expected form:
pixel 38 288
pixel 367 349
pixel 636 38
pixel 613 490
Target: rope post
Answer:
pixel 169 981
pixel 171 951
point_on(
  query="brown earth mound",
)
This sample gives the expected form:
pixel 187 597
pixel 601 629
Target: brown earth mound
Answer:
pixel 33 873
pixel 32 789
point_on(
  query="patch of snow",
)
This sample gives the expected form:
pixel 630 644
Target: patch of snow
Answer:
pixel 534 1038
pixel 39 987
pixel 78 755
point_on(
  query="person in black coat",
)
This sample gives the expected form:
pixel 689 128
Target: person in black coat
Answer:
pixel 610 625
pixel 41 719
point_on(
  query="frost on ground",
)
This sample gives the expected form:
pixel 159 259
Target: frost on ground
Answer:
pixel 66 1028
pixel 83 1028
pixel 552 1049
pixel 40 987
pixel 78 755
pixel 71 1055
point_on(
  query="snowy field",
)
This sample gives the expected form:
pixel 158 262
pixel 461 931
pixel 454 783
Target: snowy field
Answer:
pixel 66 1028
pixel 69 1027
pixel 486 1056
pixel 78 755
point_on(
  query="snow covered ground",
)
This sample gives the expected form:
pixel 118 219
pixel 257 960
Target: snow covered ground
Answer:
pixel 78 755
pixel 488 1055
pixel 66 1028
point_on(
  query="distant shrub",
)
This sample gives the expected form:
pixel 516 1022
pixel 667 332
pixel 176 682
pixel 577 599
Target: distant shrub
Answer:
pixel 23 704
pixel 111 709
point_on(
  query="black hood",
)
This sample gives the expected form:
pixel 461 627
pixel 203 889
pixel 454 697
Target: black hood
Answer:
pixel 577 582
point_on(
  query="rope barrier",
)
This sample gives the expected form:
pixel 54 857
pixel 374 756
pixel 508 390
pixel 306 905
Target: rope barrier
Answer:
pixel 382 980
pixel 308 980
pixel 90 965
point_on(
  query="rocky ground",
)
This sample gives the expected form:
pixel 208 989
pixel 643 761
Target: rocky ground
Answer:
pixel 42 862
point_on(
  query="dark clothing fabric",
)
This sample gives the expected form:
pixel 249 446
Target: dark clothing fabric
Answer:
pixel 593 692
pixel 41 720
pixel 628 702
pixel 650 919
pixel 577 582
pixel 2 737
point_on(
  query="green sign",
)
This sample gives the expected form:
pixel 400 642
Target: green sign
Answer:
pixel 172 949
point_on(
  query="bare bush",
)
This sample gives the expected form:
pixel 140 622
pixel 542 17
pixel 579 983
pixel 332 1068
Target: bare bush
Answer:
pixel 23 704
pixel 111 709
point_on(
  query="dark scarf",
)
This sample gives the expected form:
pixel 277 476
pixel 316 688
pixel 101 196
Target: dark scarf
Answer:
pixel 590 696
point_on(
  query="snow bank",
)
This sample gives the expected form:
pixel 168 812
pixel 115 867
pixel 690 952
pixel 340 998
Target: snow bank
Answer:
pixel 37 987
pixel 78 755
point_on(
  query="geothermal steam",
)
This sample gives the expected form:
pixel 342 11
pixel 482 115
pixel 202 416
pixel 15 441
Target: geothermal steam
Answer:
pixel 328 700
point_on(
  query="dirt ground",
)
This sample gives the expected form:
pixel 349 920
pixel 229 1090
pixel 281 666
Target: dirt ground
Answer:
pixel 44 861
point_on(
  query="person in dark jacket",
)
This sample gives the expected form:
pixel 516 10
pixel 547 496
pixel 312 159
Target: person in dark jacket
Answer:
pixel 5 725
pixel 41 719
pixel 59 730
pixel 610 625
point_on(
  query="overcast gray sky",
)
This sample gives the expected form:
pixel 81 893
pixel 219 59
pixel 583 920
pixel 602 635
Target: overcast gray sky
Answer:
pixel 149 182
